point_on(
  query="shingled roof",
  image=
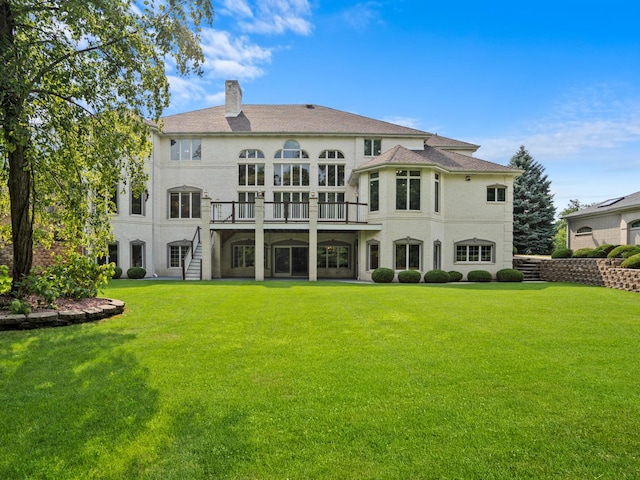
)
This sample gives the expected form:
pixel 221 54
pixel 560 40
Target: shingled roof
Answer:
pixel 438 141
pixel 611 205
pixel 450 161
pixel 290 119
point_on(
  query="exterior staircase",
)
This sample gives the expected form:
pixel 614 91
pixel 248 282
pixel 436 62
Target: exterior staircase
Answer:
pixel 194 269
pixel 529 267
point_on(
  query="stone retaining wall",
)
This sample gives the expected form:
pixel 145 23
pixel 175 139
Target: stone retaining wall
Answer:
pixel 62 318
pixel 603 272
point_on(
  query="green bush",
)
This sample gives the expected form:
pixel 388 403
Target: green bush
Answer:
pixel 455 276
pixel 382 275
pixel 136 272
pixel 19 307
pixel 624 251
pixel 117 273
pixel 409 276
pixel 631 262
pixel 597 253
pixel 631 252
pixel 75 277
pixel 5 279
pixel 509 275
pixel 582 253
pixel 436 276
pixel 606 248
pixel 479 276
pixel 562 253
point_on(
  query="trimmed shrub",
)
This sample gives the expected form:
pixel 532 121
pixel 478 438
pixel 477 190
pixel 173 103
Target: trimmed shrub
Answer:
pixel 631 262
pixel 436 276
pixel 455 276
pixel 479 276
pixel 619 252
pixel 509 275
pixel 136 272
pixel 409 276
pixel 631 252
pixel 582 253
pixel 597 253
pixel 382 275
pixel 117 273
pixel 606 248
pixel 562 253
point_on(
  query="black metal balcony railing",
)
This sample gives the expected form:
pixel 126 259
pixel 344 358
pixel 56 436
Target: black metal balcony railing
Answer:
pixel 288 212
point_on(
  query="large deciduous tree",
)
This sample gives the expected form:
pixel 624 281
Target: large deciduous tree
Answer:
pixel 77 80
pixel 533 210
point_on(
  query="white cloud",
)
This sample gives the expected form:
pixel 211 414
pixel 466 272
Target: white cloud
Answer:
pixel 280 16
pixel 404 121
pixel 225 56
pixel 184 90
pixel 362 15
pixel 236 7
pixel 593 120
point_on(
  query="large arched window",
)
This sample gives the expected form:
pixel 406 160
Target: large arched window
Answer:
pixel 291 150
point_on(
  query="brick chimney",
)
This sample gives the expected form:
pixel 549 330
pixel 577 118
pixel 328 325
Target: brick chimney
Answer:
pixel 232 98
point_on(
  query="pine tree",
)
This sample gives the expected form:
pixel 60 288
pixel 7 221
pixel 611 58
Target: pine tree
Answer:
pixel 533 209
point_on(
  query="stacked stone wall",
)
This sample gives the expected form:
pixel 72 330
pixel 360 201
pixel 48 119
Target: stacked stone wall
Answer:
pixel 42 257
pixel 602 272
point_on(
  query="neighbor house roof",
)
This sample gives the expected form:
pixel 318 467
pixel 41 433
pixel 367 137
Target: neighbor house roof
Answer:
pixel 450 161
pixel 610 205
pixel 290 119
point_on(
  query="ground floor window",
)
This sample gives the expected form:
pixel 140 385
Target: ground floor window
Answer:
pixel 373 255
pixel 475 253
pixel 137 254
pixel 112 256
pixel 244 256
pixel 407 255
pixel 177 251
pixel 333 257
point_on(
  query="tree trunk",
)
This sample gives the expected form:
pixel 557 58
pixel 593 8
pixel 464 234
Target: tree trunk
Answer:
pixel 15 139
pixel 21 219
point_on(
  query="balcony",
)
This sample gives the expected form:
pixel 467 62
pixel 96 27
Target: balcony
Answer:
pixel 345 213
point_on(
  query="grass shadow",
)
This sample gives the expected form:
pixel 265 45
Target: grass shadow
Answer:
pixel 72 400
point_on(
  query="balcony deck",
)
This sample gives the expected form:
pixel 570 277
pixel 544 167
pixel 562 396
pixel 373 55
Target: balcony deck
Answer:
pixel 290 216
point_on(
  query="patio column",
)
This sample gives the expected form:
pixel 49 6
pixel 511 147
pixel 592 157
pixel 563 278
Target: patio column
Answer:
pixel 205 235
pixel 313 237
pixel 259 237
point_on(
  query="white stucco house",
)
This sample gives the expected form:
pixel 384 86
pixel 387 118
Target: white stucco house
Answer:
pixel 615 221
pixel 265 191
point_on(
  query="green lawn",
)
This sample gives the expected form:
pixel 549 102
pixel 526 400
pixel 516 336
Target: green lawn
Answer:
pixel 295 380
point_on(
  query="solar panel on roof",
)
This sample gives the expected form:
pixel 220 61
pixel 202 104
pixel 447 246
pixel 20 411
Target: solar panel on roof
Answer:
pixel 610 202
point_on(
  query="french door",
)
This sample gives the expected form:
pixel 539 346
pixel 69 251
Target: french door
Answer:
pixel 291 261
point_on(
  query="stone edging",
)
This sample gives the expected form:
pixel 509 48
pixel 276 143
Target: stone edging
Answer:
pixel 62 318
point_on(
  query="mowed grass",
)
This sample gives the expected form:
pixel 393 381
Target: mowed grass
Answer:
pixel 297 380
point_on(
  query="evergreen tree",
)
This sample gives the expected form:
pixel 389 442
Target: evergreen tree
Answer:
pixel 533 210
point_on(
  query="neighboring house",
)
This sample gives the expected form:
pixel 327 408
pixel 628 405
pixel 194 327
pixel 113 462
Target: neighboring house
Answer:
pixel 615 221
pixel 312 192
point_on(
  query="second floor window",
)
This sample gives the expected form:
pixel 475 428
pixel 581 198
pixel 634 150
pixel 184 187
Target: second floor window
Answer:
pixel 330 175
pixel 185 204
pixel 372 147
pixel 291 174
pixel 408 189
pixel 186 149
pixel 137 203
pixel 496 193
pixel 374 192
pixel 250 174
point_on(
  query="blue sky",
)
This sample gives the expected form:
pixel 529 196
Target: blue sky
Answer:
pixel 561 78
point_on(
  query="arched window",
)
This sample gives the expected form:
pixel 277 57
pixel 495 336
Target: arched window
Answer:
pixel 584 231
pixel 635 224
pixel 331 154
pixel 291 150
pixel 251 153
pixel 176 252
